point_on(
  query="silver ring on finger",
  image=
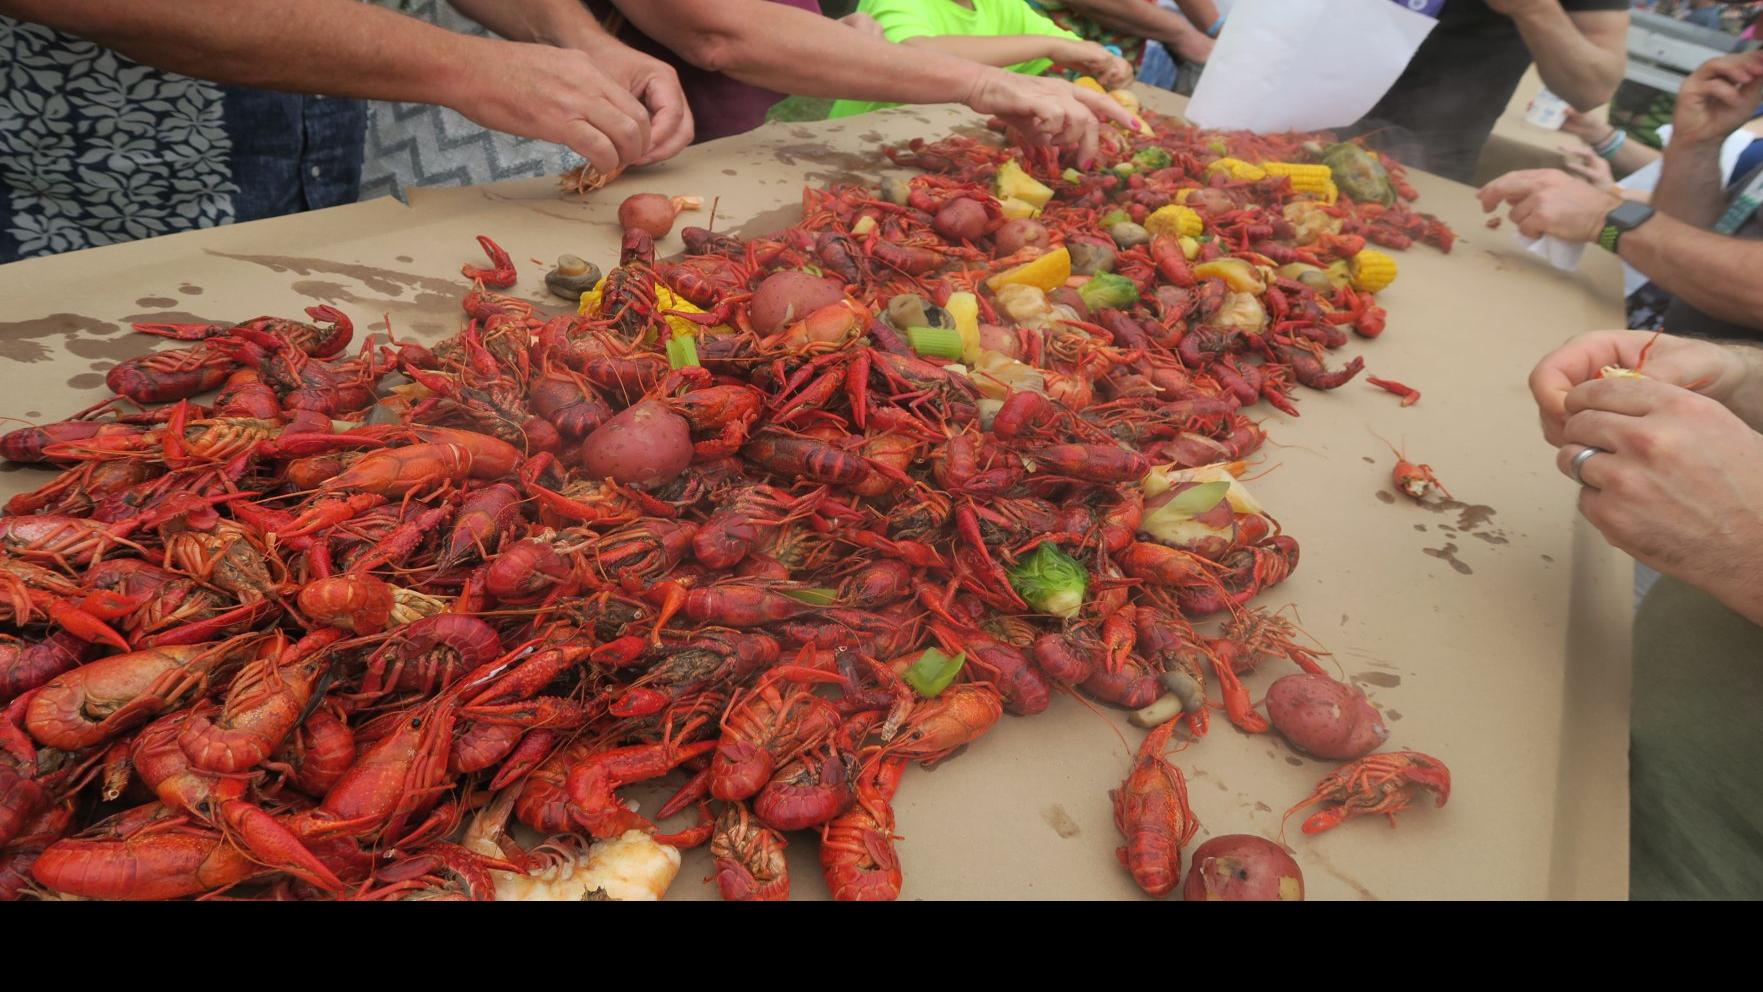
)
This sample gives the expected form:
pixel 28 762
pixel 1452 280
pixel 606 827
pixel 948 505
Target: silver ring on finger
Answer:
pixel 1577 465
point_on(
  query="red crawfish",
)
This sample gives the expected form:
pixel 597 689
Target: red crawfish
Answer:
pixel 145 853
pixel 857 847
pixel 750 865
pixel 1415 481
pixel 264 703
pixel 500 274
pixel 1385 783
pixel 592 783
pixel 219 801
pixel 96 701
pixel 768 722
pixel 1151 812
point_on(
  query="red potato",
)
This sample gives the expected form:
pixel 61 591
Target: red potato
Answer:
pixel 653 212
pixel 1211 201
pixel 786 297
pixel 1018 234
pixel 1002 340
pixel 1243 868
pixel 1325 718
pixel 961 219
pixel 645 445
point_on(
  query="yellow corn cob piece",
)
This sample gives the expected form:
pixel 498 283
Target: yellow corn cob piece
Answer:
pixel 1089 83
pixel 1317 180
pixel 1372 271
pixel 1238 169
pixel 1175 222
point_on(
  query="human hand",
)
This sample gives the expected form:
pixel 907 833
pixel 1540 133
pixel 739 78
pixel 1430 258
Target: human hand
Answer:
pixel 1718 98
pixel 1675 483
pixel 1050 110
pixel 1588 165
pixel 656 85
pixel 1714 370
pixel 1092 59
pixel 1589 128
pixel 1549 201
pixel 864 23
pixel 553 94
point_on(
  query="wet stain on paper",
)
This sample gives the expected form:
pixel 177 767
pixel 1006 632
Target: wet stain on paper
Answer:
pixel 405 258
pixel 1387 680
pixel 1262 807
pixel 1295 762
pixel 86 380
pixel 1392 715
pixel 1061 821
pixel 730 172
pixel 189 290
pixel 1420 527
pixel 1448 553
pixel 19 339
pixel 1549 558
pixel 156 301
pixel 769 221
pixel 1385 496
pixel 390 282
pixel 1367 459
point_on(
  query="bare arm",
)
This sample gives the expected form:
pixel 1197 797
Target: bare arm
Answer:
pixel 1109 69
pixel 1691 187
pixel 785 49
pixel 1581 56
pixel 1185 35
pixel 1711 272
pixel 998 50
pixel 326 47
pixel 1715 101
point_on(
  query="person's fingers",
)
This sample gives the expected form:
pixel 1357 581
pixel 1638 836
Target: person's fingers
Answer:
pixel 1601 429
pixel 584 140
pixel 1722 93
pixel 1630 397
pixel 1509 188
pixel 1594 472
pixel 1102 105
pixel 671 127
pixel 1088 129
pixel 1527 217
pixel 629 135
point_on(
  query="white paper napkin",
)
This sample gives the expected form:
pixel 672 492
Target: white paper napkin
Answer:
pixel 1563 255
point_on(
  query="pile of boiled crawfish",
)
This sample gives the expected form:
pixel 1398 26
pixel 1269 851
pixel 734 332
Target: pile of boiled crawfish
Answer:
pixel 284 644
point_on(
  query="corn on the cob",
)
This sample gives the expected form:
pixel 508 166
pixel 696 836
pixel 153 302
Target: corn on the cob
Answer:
pixel 1175 222
pixel 1372 271
pixel 1316 180
pixel 1238 169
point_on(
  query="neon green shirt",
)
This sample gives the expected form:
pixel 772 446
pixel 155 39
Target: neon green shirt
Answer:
pixel 903 19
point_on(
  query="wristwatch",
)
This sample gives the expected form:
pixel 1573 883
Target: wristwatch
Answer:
pixel 1626 217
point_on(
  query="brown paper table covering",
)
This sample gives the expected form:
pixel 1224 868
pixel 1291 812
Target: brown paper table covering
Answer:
pixel 1492 632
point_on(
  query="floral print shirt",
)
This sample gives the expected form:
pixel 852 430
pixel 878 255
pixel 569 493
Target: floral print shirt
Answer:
pixel 97 149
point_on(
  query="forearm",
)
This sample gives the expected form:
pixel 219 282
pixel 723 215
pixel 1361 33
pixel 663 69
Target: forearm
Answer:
pixel 1572 66
pixel 1143 19
pixel 1691 187
pixel 785 49
pixel 1713 273
pixel 310 46
pixel 998 50
pixel 1746 398
pixel 566 23
pixel 1632 157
